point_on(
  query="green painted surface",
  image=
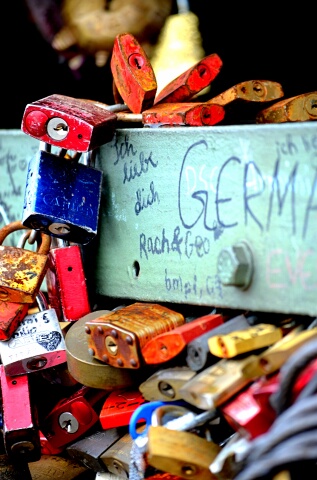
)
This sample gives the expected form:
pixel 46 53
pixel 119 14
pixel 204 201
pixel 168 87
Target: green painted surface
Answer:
pixel 16 149
pixel 174 198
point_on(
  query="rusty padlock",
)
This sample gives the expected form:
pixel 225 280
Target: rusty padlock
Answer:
pixel 22 271
pixel 116 338
pixel 134 78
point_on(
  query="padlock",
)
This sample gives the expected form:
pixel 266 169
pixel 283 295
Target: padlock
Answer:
pixel 20 428
pixel 188 84
pixel 218 383
pixel 133 75
pixel 36 344
pixel 243 341
pixel 168 345
pixel 249 417
pixel 69 123
pixel 117 337
pixel 177 114
pixel 118 408
pixel 180 453
pixel 259 91
pixel 88 450
pixel 198 355
pixel 62 197
pixel 165 384
pixel 117 457
pixel 66 282
pixel 89 371
pixel 11 315
pixel 300 108
pixel 22 271
pixel 72 416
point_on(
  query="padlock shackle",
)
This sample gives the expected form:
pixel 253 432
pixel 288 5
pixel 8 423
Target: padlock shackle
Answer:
pixel 9 228
pixel 45 245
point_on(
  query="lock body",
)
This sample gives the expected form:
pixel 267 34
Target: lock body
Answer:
pixel 22 271
pixel 133 74
pixel 71 417
pixel 20 432
pixel 36 344
pixel 11 315
pixel 189 114
pixel 88 450
pixel 191 82
pixel 168 345
pixel 62 198
pixel 66 283
pixel 118 408
pixel 117 337
pixel 69 123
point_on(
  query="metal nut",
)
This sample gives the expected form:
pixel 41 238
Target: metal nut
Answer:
pixel 235 265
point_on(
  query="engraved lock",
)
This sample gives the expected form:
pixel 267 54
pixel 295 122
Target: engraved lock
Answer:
pixel 20 430
pixel 22 271
pixel 62 196
pixel 66 281
pixel 69 123
pixel 117 337
pixel 36 344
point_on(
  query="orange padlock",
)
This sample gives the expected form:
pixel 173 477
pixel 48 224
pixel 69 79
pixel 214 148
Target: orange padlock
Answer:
pixel 21 271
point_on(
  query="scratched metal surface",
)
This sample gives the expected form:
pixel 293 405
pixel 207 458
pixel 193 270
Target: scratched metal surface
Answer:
pixel 173 198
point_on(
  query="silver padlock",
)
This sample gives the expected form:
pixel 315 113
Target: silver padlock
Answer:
pixel 37 343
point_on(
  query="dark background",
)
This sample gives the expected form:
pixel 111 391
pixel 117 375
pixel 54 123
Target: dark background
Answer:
pixel 258 43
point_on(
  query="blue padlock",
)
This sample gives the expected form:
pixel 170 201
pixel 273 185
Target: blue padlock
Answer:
pixel 62 197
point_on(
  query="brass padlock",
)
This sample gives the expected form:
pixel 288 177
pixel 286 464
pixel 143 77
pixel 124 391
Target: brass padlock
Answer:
pixel 181 453
pixel 21 271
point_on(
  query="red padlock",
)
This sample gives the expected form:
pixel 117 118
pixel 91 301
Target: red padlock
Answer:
pixel 177 114
pixel 133 74
pixel 72 417
pixel 69 123
pixel 118 408
pixel 167 345
pixel 20 429
pixel 66 282
pixel 249 412
pixel 191 82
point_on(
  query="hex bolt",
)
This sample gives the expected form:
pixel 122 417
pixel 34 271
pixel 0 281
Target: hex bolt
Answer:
pixel 235 265
pixel 68 422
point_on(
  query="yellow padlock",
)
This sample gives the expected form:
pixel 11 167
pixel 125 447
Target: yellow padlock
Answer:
pixel 22 271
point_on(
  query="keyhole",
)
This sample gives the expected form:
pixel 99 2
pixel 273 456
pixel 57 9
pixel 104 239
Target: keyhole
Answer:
pixel 136 60
pixel 111 345
pixel 188 470
pixel 166 389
